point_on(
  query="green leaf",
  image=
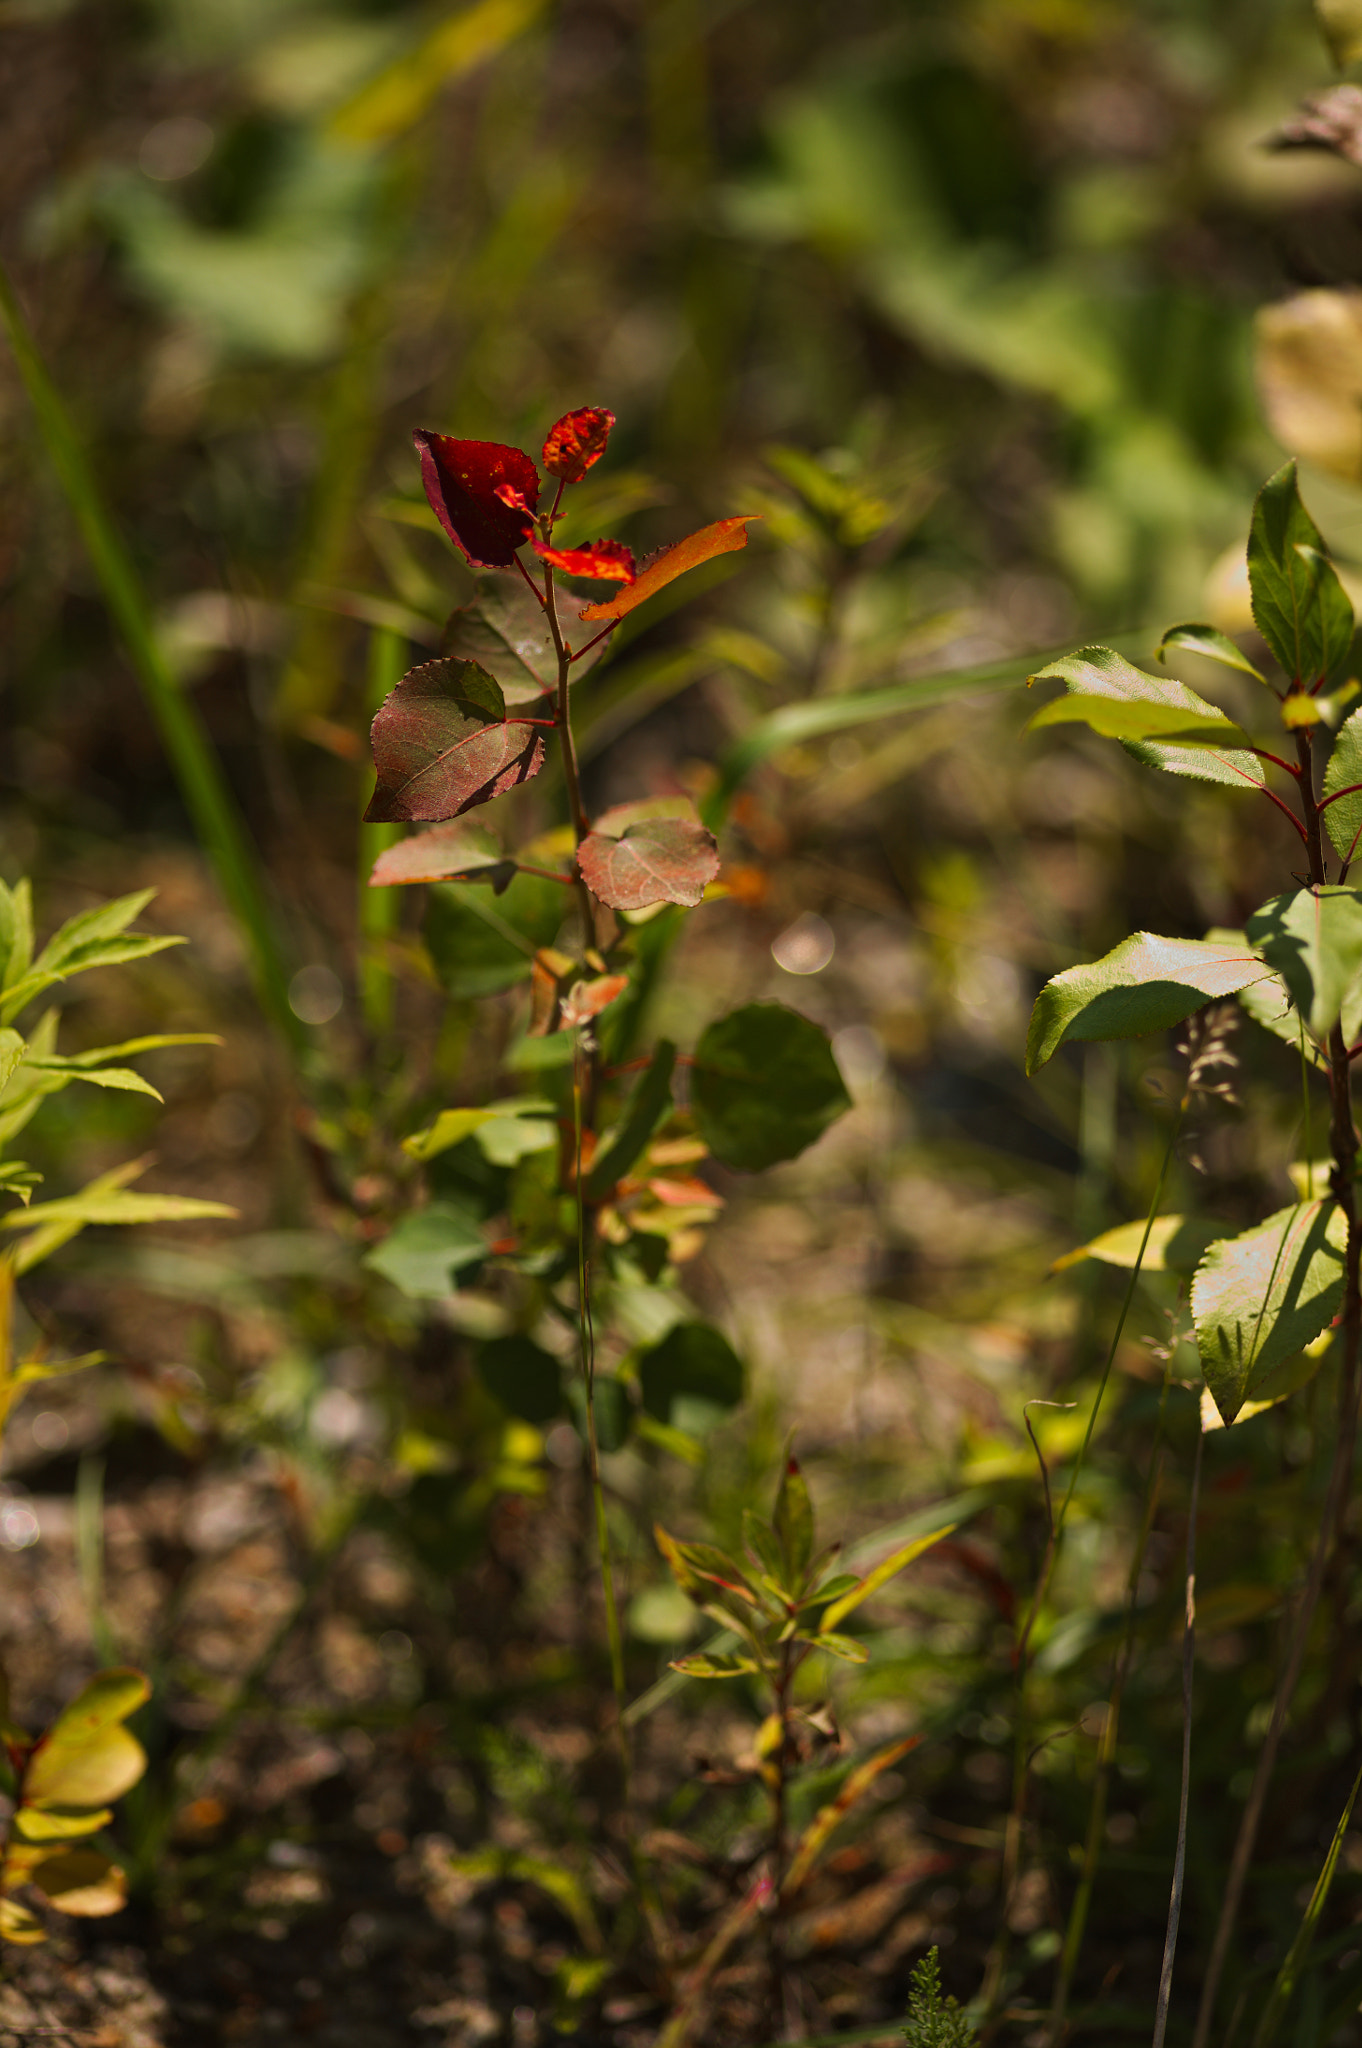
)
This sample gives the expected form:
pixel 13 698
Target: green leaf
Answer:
pixel 1312 938
pixel 1119 718
pixel 16 931
pixel 123 1079
pixel 647 1105
pixel 39 1824
pixel 694 1363
pixel 35 1369
pixel 1147 983
pixel 848 1648
pixel 892 1565
pixel 426 1249
pixel 117 1206
pixel 505 1132
pixel 1210 642
pixel 479 948
pixel 1299 605
pixel 1280 1996
pixel 1340 23
pixel 527 1380
pixel 1259 1298
pixel 760 1539
pixel 764 1086
pixel 793 1523
pixel 1176 1244
pixel 1343 818
pixel 701 1666
pixel 87 1757
pixel 12 1050
pixel 1099 672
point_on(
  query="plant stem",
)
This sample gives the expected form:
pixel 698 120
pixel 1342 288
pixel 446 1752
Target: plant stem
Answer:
pixel 378 907
pixel 1170 1944
pixel 217 820
pixel 780 1847
pixel 1343 1146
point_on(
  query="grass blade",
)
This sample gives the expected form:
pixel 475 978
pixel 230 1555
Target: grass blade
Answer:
pixel 217 821
pixel 1275 2009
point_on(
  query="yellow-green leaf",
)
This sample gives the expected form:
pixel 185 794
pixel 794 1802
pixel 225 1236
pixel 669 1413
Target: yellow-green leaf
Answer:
pixel 83 1883
pixel 882 1574
pixel 87 1757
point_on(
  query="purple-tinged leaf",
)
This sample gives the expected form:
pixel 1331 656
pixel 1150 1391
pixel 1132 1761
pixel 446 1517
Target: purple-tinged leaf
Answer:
pixel 651 852
pixel 443 742
pixel 505 631
pixel 447 853
pixel 464 481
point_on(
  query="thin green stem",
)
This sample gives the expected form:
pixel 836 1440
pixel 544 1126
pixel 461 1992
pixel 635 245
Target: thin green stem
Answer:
pixel 378 907
pixel 1170 1944
pixel 217 820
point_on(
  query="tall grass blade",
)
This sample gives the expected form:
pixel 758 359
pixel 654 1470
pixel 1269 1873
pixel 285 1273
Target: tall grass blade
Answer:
pixel 217 821
pixel 1289 1974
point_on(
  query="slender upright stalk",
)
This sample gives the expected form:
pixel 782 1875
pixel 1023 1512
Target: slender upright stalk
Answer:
pixel 780 1845
pixel 1343 1145
pixel 1170 1943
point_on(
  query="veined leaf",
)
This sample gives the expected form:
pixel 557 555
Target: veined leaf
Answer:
pixel 656 851
pixel 722 538
pixel 1259 1298
pixel 505 631
pixel 1343 817
pixel 1299 605
pixel 1118 718
pixel 1145 984
pixel 458 852
pixel 1176 1244
pixel 890 1568
pixel 1312 938
pixel 443 742
pixel 465 482
pixel 1210 642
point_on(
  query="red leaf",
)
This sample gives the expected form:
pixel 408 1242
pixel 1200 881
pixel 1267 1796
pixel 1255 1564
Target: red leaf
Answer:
pixel 586 999
pixel 577 442
pixel 653 852
pixel 609 561
pixel 443 742
pixel 448 853
pixel 723 538
pixel 464 481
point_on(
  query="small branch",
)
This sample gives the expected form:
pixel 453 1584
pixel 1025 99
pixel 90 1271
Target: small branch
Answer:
pixel 1353 789
pixel 602 635
pixel 1285 810
pixel 1290 767
pixel 1170 1944
pixel 548 875
pixel 535 591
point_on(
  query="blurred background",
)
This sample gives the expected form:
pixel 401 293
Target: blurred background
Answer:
pixel 999 311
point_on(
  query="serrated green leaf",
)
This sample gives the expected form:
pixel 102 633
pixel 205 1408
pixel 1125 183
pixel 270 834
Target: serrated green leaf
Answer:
pixel 1312 938
pixel 1145 984
pixel 1118 718
pixel 1343 817
pixel 1209 641
pixel 1100 672
pixel 1261 1297
pixel 764 1086
pixel 1176 1244
pixel 1299 605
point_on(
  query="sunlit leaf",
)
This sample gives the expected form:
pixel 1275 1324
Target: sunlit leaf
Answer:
pixel 526 1379
pixel 1261 1297
pixel 443 742
pixel 1340 24
pixel 12 1050
pixel 1147 983
pixel 454 852
pixel 890 1568
pixel 656 851
pixel 1312 938
pixel 1176 1244
pixel 764 1086
pixel 116 1206
pixel 82 1882
pixel 424 1251
pixel 87 1757
pixel 608 561
pixel 1209 642
pixel 462 481
pixel 18 1925
pixel 452 1126
pixel 577 441
pixel 586 999
pixel 43 1824
pixel 722 538
pixel 1119 718
pixel 1299 605
pixel 1343 818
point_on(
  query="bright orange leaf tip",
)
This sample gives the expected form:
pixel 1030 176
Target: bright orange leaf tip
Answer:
pixel 724 537
pixel 577 441
pixel 609 561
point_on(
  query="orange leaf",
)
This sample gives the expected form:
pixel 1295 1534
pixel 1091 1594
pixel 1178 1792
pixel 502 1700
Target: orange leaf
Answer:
pixel 724 537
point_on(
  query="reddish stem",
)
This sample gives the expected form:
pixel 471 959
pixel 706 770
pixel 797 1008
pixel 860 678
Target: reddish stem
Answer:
pixel 538 594
pixel 605 630
pixel 1352 790
pixel 1286 812
pixel 1290 767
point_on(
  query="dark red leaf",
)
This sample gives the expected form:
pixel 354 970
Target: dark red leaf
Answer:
pixel 443 742
pixel 609 561
pixel 719 539
pixel 577 441
pixel 652 852
pixel 464 481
